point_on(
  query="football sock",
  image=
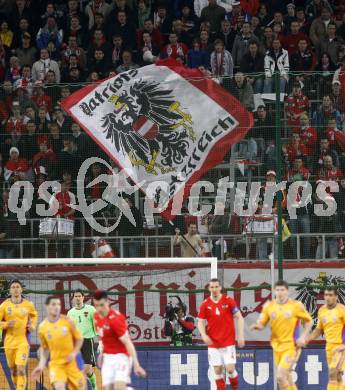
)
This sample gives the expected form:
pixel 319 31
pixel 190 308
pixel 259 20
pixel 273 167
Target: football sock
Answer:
pixel 14 380
pixel 92 380
pixel 220 382
pixel 21 382
pixel 234 380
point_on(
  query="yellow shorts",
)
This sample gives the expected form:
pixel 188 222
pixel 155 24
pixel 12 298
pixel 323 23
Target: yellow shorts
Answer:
pixel 337 360
pixel 17 356
pixel 67 373
pixel 285 359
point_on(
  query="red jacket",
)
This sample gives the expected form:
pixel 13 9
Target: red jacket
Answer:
pixel 309 139
pixel 295 151
pixel 333 174
pixel 290 42
pixel 21 165
pixel 15 126
pixel 48 155
pixel 156 38
pixel 295 105
pixel 44 101
pixel 174 51
pixel 65 199
pixel 250 7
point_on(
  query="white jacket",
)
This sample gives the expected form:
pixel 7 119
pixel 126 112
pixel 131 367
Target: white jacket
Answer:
pixel 41 67
pixel 282 63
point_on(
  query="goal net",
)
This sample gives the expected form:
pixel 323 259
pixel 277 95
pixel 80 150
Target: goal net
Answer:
pixel 139 288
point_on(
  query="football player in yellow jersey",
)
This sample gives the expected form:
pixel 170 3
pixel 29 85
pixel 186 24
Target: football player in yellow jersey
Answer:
pixel 61 343
pixel 284 315
pixel 18 318
pixel 331 322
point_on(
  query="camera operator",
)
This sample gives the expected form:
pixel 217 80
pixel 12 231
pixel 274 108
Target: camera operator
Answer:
pixel 178 326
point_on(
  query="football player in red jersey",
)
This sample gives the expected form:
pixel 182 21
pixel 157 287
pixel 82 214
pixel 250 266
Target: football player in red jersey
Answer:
pixel 220 311
pixel 117 350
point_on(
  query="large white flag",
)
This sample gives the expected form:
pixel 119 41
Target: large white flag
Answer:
pixel 161 122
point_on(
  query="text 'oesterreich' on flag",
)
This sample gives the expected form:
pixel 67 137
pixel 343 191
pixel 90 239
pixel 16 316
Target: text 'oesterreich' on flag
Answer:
pixel 161 122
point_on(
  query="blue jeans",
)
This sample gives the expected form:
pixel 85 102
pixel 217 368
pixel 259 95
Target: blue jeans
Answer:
pixel 258 85
pixel 6 253
pixel 269 83
pixel 247 149
pixel 262 248
pixel 131 248
pixel 300 225
pixel 331 248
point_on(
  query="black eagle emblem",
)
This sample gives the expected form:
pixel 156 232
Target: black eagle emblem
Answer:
pixel 308 295
pixel 148 122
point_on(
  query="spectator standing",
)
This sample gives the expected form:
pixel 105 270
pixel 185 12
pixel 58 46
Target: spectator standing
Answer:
pixel 41 67
pixel 192 245
pixel 296 104
pixel 328 225
pixel 267 39
pixel 302 224
pixel 117 51
pixel 221 60
pixel 96 6
pixel 338 97
pixel 325 69
pixel 16 166
pixel 241 44
pixel 156 35
pixel 197 57
pixel 98 63
pixel 214 14
pixel 15 125
pixel 131 246
pixel 329 172
pixel 325 112
pixel 49 33
pixel 308 138
pixel 252 65
pixel 26 53
pixel 162 20
pixel 318 28
pixel 127 62
pixel 330 44
pixel 124 28
pixel 175 49
pixel 73 49
pixel 28 143
pixel 6 249
pixel 290 41
pixel 242 90
pixel 294 149
pixel 276 60
pixel 68 157
pixel 226 34
pixel 303 61
pixel 325 150
pixel 62 120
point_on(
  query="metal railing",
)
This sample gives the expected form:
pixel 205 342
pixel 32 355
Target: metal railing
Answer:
pixel 235 247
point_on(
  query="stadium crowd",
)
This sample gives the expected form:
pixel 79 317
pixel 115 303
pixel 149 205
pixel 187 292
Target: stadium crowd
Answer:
pixel 48 48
